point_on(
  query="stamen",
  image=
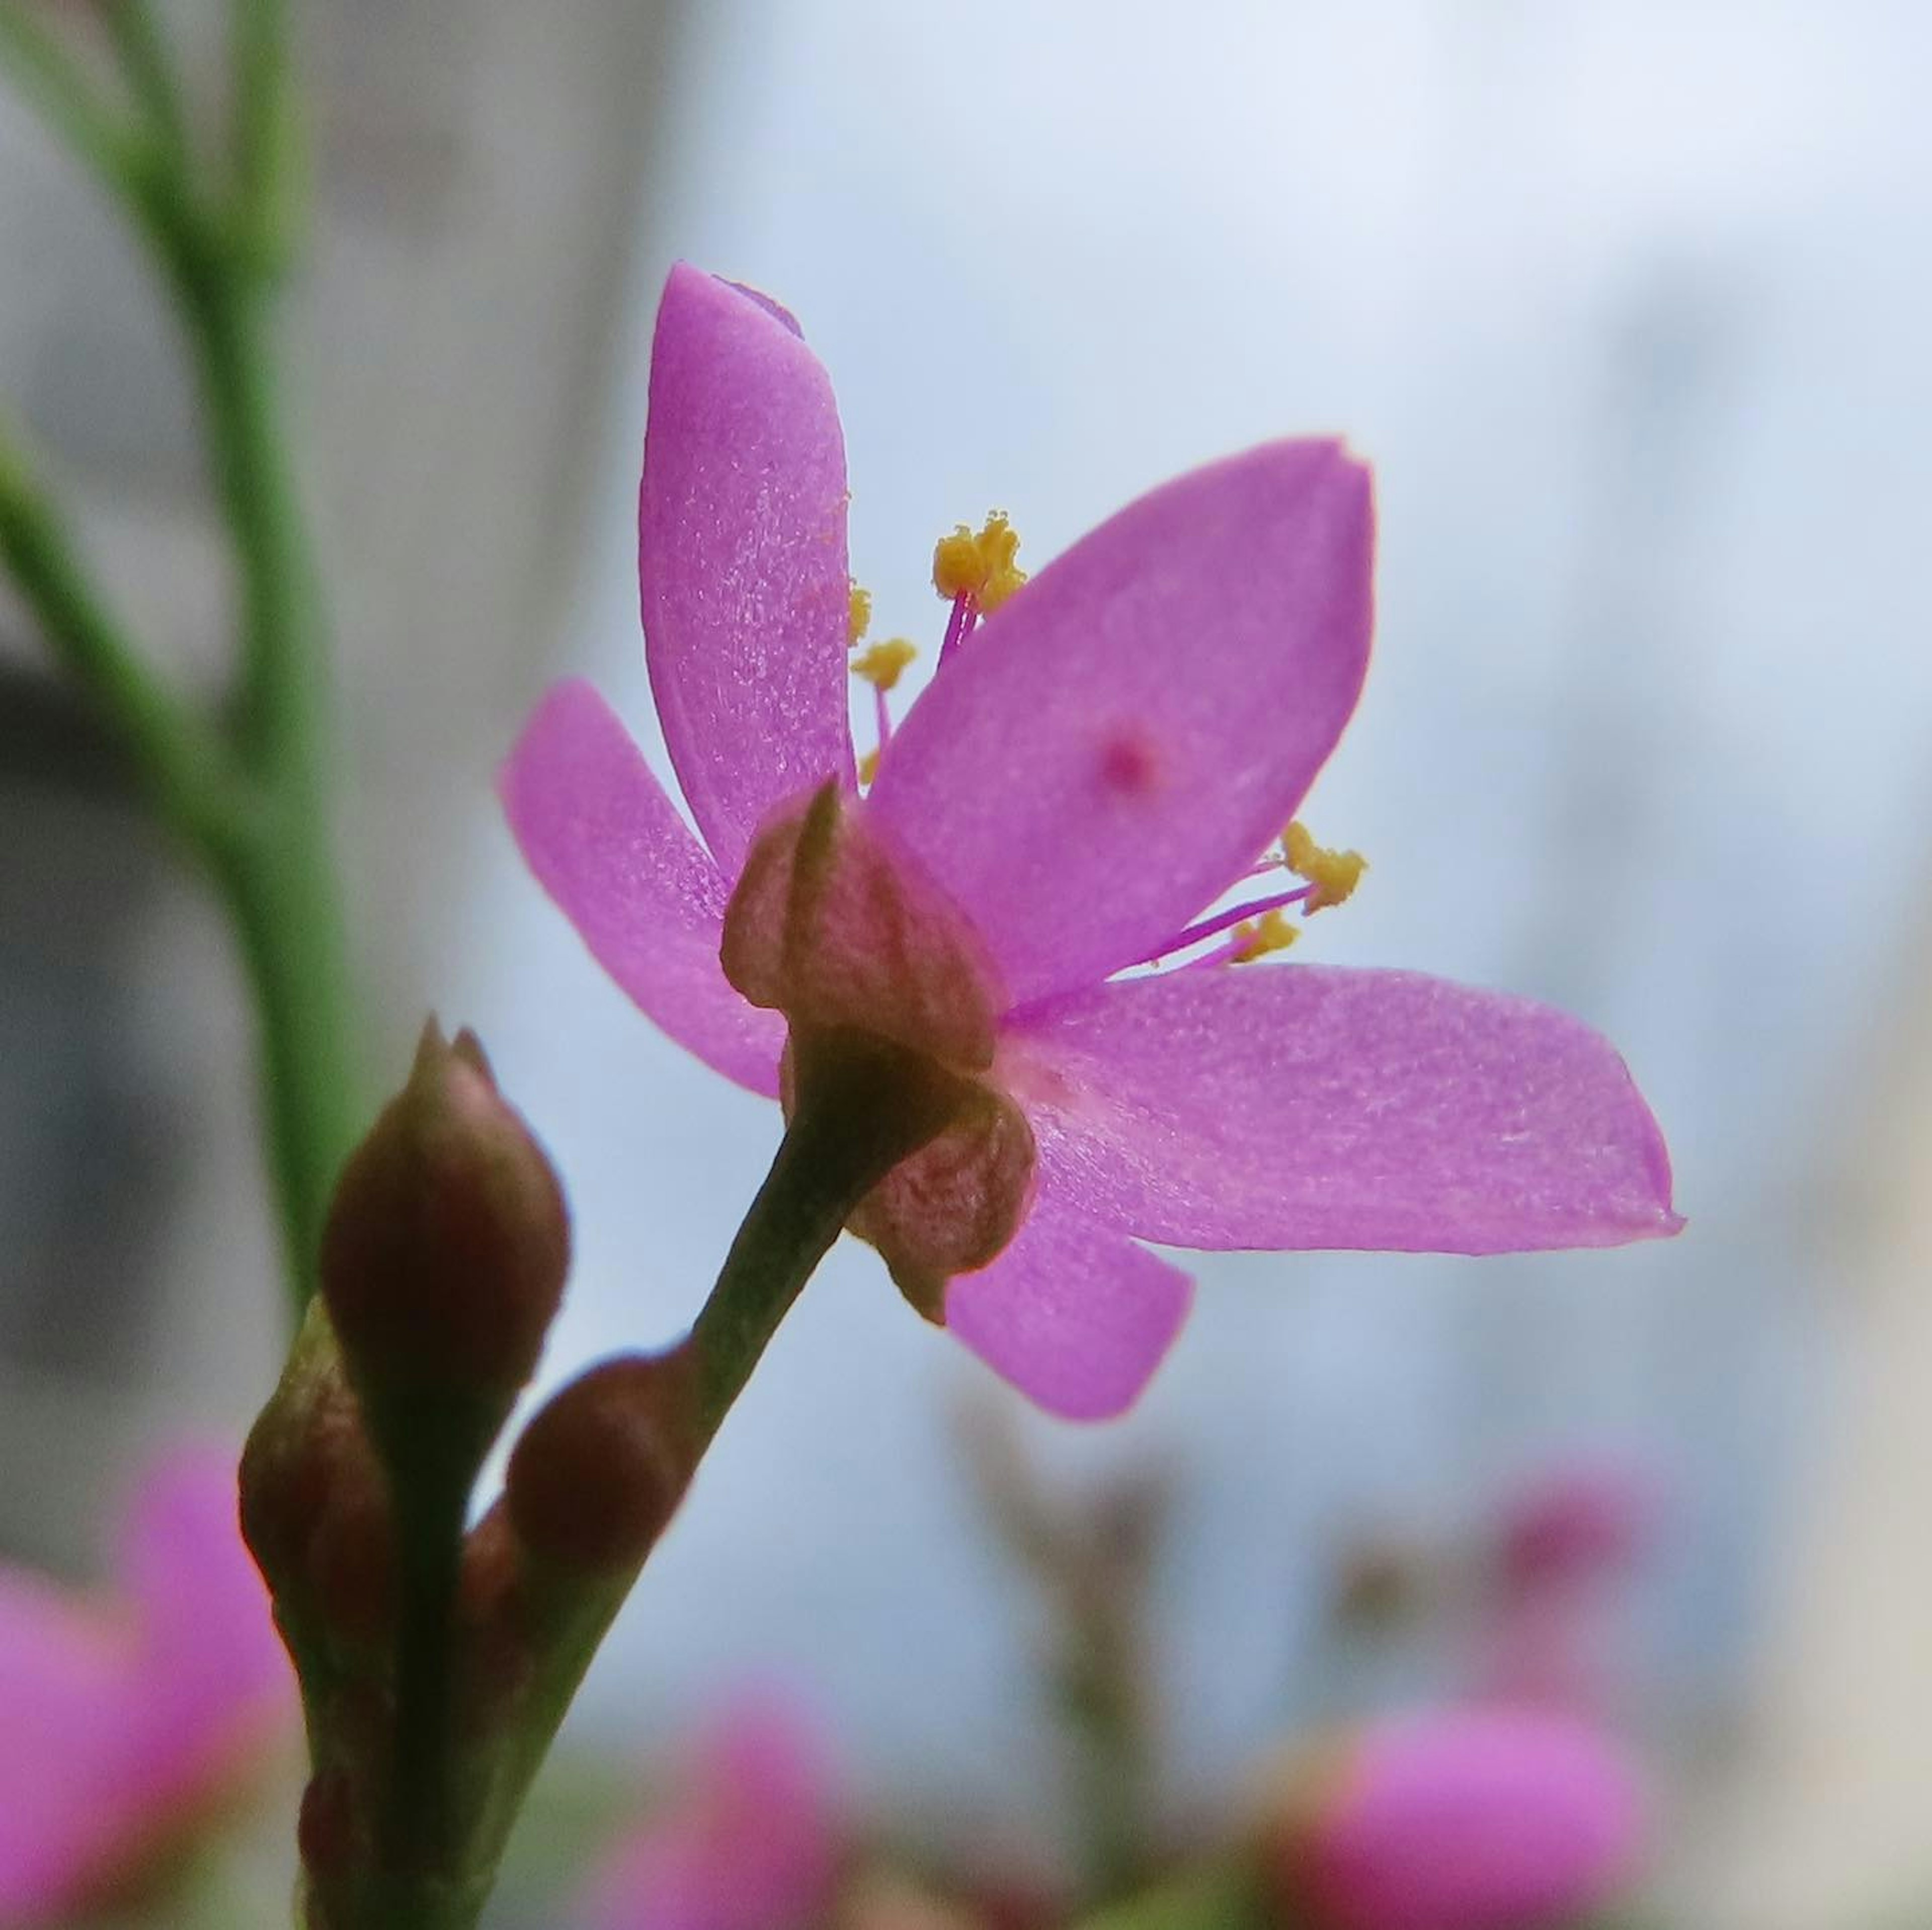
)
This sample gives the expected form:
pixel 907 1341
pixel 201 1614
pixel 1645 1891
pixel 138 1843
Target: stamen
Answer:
pixel 982 566
pixel 1332 875
pixel 957 626
pixel 869 766
pixel 1271 932
pixel 860 620
pixel 882 664
pixel 1218 922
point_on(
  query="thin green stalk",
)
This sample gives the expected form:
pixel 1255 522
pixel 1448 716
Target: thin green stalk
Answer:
pixel 257 815
pixel 149 66
pixel 48 75
pixel 184 766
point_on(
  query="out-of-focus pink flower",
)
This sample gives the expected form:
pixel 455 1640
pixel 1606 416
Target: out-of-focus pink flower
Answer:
pixel 1478 1819
pixel 749 1840
pixel 1563 1545
pixel 1112 749
pixel 124 1723
pixel 1578 1525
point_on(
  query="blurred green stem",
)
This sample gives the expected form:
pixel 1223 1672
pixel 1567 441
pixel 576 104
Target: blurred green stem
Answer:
pixel 251 799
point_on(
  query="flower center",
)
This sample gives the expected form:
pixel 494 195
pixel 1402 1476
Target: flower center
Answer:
pixel 833 925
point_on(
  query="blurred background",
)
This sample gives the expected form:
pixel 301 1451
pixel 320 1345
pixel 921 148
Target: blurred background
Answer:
pixel 1628 307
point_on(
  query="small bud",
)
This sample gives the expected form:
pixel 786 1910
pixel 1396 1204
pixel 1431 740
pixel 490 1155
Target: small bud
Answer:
pixel 315 1504
pixel 444 1257
pixel 598 1473
pixel 327 1828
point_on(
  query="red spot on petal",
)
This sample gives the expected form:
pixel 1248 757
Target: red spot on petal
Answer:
pixel 1130 764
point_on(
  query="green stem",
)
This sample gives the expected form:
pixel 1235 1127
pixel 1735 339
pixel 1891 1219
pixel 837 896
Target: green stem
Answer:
pixel 48 76
pixel 258 814
pixel 183 764
pixel 149 66
pixel 863 1106
pixel 1212 1896
pixel 281 894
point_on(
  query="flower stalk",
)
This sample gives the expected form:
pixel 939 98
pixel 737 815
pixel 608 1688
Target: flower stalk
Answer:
pixel 247 796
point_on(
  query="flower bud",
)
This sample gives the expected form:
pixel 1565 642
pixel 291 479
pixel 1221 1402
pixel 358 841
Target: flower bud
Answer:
pixel 1473 1819
pixel 444 1256
pixel 315 1504
pixel 598 1473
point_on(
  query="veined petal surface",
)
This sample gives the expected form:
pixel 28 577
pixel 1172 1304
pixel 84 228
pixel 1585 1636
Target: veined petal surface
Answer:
pixel 741 558
pixel 1295 1107
pixel 595 825
pixel 1115 746
pixel 1073 1313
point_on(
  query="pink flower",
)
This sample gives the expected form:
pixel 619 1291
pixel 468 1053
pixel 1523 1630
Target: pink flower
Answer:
pixel 1575 1527
pixel 1474 1820
pixel 1107 752
pixel 751 1841
pixel 121 1726
pixel 1564 1544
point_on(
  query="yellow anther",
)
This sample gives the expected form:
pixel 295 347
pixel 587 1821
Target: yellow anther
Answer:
pixel 868 766
pixel 1256 937
pixel 881 664
pixel 1334 874
pixel 861 616
pixel 981 567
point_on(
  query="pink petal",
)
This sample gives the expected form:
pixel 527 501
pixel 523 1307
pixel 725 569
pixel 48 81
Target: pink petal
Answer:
pixel 751 1842
pixel 1300 1106
pixel 1118 742
pixel 741 558
pixel 1074 1316
pixel 211 1676
pixel 63 1674
pixel 1474 1820
pixel 608 845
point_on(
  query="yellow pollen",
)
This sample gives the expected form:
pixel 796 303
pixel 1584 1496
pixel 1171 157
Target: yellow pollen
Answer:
pixel 861 616
pixel 981 567
pixel 882 664
pixel 1334 874
pixel 1256 937
pixel 868 766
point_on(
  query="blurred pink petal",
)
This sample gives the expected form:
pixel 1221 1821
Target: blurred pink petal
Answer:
pixel 1106 753
pixel 1296 1106
pixel 750 1840
pixel 741 558
pixel 1073 1313
pixel 1471 1820
pixel 1555 1618
pixel 609 846
pixel 1119 742
pixel 1581 1524
pixel 117 1731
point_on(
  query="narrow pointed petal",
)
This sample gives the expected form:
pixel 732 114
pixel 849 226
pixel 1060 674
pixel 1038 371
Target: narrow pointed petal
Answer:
pixel 741 558
pixel 596 827
pixel 1295 1107
pixel 1074 1315
pixel 1117 744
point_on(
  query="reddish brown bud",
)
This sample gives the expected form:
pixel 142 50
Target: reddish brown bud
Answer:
pixel 497 1649
pixel 326 1828
pixel 444 1257
pixel 315 1503
pixel 598 1473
